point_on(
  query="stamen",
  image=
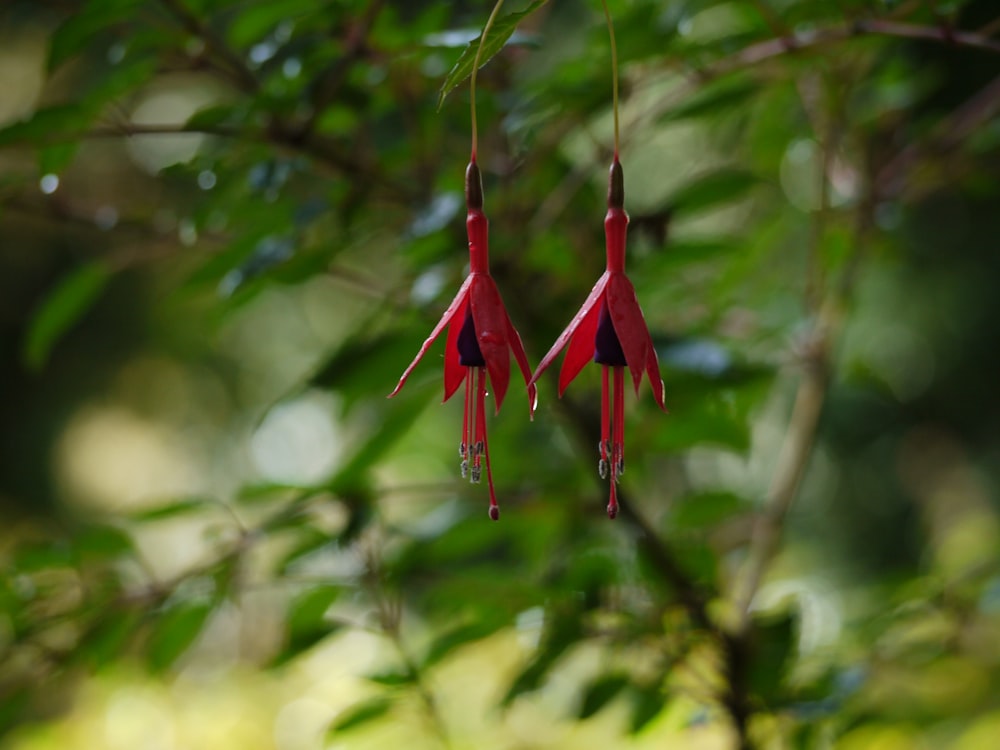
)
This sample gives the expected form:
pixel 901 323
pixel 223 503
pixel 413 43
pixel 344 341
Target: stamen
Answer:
pixel 602 465
pixel 482 445
pixel 463 448
pixel 470 427
pixel 618 441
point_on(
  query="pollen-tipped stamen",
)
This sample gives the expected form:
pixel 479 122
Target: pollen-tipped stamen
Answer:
pixel 469 426
pixel 618 441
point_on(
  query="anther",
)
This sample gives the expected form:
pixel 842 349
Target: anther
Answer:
pixel 477 474
pixel 465 469
pixel 602 468
pixel 463 449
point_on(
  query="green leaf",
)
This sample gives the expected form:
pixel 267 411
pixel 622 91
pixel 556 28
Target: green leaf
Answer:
pixel 310 540
pixel 103 542
pixel 711 100
pixel 55 158
pixel 48 125
pixel 359 714
pixel 80 28
pixel 170 510
pixel 63 307
pixel 395 422
pixel 175 631
pixel 456 637
pixel 306 622
pixel 392 678
pixel 704 509
pixel 772 648
pixel 722 186
pixel 111 635
pixel 599 693
pixel 647 702
pixel 210 118
pixel 253 23
pixel 499 34
pixel 564 631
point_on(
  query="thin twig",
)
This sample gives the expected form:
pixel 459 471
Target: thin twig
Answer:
pixel 234 65
pixel 948 134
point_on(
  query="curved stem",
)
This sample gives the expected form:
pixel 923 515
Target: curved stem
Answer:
pixel 614 70
pixel 475 70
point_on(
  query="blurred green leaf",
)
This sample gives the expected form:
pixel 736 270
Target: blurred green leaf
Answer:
pixel 365 359
pixel 210 118
pixel 55 158
pixel 710 190
pixel 456 637
pixel 64 306
pixel 647 702
pixel 48 125
pixel 772 648
pixel 392 679
pixel 710 100
pixel 108 639
pixel 306 621
pixel 174 632
pixel 704 509
pixel 394 424
pixel 103 542
pixel 499 34
pixel 259 19
pixel 81 27
pixel 309 542
pixel 600 692
pixel 360 714
pixel 170 510
pixel 562 631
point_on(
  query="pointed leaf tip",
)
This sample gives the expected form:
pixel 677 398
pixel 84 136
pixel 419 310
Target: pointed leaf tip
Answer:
pixel 498 36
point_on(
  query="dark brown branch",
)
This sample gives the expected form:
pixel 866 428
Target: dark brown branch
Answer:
pixel 782 45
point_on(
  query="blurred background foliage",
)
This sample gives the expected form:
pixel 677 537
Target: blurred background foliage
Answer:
pixel 228 225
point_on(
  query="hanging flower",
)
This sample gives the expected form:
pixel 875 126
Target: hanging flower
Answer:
pixel 611 330
pixel 480 333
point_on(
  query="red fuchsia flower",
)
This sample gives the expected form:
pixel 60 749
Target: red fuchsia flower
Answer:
pixel 611 330
pixel 480 333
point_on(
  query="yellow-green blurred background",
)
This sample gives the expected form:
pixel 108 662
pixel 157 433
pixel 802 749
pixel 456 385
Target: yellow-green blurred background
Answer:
pixel 227 226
